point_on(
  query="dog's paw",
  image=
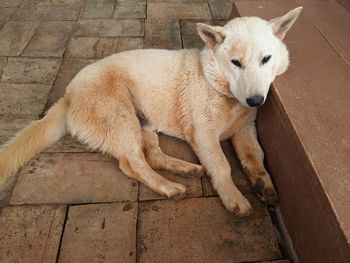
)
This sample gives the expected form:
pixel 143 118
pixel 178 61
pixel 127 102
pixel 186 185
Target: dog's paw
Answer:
pixel 238 204
pixel 265 191
pixel 175 191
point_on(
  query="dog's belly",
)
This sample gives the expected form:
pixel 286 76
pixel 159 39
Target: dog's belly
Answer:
pixel 148 125
pixel 171 133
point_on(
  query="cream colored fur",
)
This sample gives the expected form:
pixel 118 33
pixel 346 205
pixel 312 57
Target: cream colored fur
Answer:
pixel 118 104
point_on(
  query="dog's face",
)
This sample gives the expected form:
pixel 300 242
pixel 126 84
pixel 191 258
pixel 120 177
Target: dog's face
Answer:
pixel 249 54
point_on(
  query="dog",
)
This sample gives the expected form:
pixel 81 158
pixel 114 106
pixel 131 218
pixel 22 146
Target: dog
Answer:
pixel 118 104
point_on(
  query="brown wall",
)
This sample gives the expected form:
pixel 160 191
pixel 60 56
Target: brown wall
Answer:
pixel 306 212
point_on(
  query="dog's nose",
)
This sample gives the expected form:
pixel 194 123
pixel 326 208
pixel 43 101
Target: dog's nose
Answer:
pixel 255 101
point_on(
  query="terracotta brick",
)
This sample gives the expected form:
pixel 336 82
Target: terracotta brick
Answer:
pixel 11 125
pixel 276 261
pixel 110 28
pixel 51 2
pixel 30 233
pixel 73 178
pixel 178 10
pixel 50 40
pixel 201 230
pixel 177 148
pixel 48 10
pixel 219 22
pixel 130 9
pixel 31 70
pixel 162 34
pixel 23 99
pixel 3 63
pixel 175 1
pixel 190 37
pixel 100 233
pixel 15 35
pixel 10 3
pixel 68 70
pixel 93 47
pixel 129 1
pixel 239 178
pixel 68 145
pixel 5 14
pixel 98 9
pixel 221 9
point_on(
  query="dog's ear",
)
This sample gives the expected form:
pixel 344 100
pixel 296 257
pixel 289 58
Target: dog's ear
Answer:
pixel 211 35
pixel 280 25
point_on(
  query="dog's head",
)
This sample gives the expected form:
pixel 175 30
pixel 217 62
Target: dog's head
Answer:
pixel 247 54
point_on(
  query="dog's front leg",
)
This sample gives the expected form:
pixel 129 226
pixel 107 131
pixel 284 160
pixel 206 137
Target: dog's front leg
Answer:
pixel 252 159
pixel 207 147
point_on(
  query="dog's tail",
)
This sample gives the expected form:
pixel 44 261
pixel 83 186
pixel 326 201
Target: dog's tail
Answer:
pixel 32 140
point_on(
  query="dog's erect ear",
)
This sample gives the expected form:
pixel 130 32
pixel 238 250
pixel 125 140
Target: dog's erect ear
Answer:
pixel 280 25
pixel 211 35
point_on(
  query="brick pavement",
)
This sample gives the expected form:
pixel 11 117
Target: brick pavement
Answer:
pixel 74 205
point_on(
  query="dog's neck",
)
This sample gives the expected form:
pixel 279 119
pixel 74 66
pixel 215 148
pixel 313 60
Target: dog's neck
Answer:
pixel 213 73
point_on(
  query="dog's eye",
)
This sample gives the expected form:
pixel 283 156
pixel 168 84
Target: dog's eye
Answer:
pixel 236 63
pixel 265 59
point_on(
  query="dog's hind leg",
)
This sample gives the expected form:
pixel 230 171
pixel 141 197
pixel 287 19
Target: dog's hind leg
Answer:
pixel 159 160
pixel 109 123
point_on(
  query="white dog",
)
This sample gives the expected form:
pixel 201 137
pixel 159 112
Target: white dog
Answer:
pixel 117 104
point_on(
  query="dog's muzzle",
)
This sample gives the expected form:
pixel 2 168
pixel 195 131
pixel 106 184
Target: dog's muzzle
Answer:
pixel 255 101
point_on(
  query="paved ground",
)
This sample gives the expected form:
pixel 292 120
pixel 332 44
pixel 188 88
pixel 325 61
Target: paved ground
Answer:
pixel 73 205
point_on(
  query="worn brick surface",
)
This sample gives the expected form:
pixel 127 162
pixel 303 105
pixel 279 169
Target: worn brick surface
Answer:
pixel 23 99
pixel 100 233
pixel 201 230
pixel 15 35
pixel 73 178
pixel 50 40
pixel 178 10
pixel 189 33
pixel 68 144
pixel 221 9
pixel 162 34
pixel 68 70
pixel 276 261
pixel 10 3
pixel 133 9
pixel 239 178
pixel 33 70
pixel 98 9
pixel 3 62
pixel 66 3
pixel 30 233
pixel 110 28
pixel 11 125
pixel 93 47
pixel 48 10
pixel 5 14
pixel 219 22
pixel 176 1
pixel 177 148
